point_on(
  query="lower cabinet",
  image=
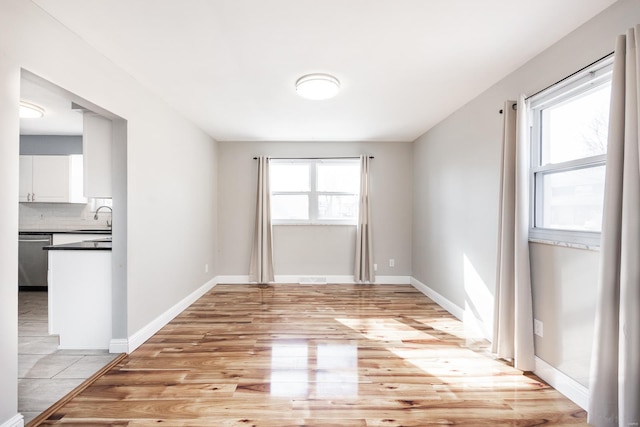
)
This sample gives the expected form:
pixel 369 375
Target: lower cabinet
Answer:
pixel 80 298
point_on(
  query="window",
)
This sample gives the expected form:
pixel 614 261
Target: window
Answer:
pixel 569 143
pixel 318 191
pixel 96 203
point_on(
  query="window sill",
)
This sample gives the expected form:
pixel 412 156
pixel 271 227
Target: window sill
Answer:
pixel 587 240
pixel 593 248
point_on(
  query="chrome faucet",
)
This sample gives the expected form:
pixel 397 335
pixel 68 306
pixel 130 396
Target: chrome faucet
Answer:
pixel 95 217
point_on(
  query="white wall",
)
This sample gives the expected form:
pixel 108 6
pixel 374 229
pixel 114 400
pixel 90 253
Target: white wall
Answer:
pixel 171 177
pixel 9 129
pixel 316 250
pixel 456 183
pixel 564 296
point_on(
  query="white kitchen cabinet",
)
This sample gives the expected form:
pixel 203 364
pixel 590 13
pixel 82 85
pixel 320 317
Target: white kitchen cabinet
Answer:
pixel 51 179
pixel 26 178
pixel 80 298
pixel 96 148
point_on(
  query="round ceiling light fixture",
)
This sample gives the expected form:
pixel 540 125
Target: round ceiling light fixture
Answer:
pixel 317 86
pixel 30 111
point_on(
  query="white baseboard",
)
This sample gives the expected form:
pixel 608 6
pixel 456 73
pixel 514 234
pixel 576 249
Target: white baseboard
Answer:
pixel 393 280
pixel 341 279
pixel 474 325
pixel 233 280
pixel 566 385
pixel 138 338
pixel 310 278
pixel 443 302
pixel 332 279
pixel 120 345
pixel 15 421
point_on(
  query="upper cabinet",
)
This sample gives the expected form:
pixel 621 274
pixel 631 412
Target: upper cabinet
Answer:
pixel 96 148
pixel 26 178
pixel 51 179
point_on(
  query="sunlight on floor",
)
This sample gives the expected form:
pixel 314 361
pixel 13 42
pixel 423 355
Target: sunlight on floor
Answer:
pixel 386 330
pixel 464 367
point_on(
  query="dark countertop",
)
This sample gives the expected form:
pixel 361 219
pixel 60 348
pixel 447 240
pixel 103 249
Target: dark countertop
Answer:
pixel 54 231
pixel 98 244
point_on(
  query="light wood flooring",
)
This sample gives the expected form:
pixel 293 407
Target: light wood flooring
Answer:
pixel 315 355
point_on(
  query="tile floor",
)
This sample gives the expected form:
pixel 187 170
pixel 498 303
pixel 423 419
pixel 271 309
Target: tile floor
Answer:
pixel 46 374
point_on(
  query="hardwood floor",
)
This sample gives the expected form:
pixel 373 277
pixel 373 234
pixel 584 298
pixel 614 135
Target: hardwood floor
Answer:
pixel 315 355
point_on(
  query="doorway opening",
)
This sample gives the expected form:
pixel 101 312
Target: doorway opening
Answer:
pixel 46 373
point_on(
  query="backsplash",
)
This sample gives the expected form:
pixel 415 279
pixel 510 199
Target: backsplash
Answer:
pixel 60 216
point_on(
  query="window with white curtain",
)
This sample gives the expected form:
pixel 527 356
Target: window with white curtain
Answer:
pixel 314 191
pixel 569 126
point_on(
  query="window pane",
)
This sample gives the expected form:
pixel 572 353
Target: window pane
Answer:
pixel 289 206
pixel 339 177
pixel 289 177
pixel 338 207
pixel 573 200
pixel 576 128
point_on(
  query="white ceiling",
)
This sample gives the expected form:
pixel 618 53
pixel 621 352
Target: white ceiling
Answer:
pixel 404 65
pixel 59 118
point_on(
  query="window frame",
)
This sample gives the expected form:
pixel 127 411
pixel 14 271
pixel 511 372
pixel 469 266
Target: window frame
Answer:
pixel 313 192
pixel 588 79
pixel 95 203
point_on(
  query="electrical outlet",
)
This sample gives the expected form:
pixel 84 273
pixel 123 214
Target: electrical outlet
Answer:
pixel 392 262
pixel 375 267
pixel 206 268
pixel 538 328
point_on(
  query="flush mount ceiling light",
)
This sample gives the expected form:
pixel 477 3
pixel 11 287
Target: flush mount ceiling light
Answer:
pixel 30 111
pixel 317 86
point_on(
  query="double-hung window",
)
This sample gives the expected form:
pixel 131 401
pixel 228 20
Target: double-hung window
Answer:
pixel 569 127
pixel 314 191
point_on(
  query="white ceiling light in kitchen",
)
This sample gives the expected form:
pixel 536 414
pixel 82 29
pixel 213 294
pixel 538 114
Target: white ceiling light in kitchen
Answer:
pixel 317 86
pixel 30 111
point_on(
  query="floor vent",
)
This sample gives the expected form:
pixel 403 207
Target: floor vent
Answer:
pixel 313 280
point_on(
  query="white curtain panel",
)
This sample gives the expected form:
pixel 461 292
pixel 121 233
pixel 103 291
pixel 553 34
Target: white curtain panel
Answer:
pixel 513 309
pixel 364 244
pixel 614 387
pixel 261 266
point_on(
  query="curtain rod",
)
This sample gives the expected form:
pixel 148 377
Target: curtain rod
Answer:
pixel 313 158
pixel 514 106
pixel 572 74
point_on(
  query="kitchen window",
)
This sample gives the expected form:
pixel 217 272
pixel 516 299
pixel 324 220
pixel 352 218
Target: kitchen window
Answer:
pixel 96 203
pixel 314 191
pixel 569 130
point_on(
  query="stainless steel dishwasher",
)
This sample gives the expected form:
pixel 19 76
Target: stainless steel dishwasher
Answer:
pixel 33 262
